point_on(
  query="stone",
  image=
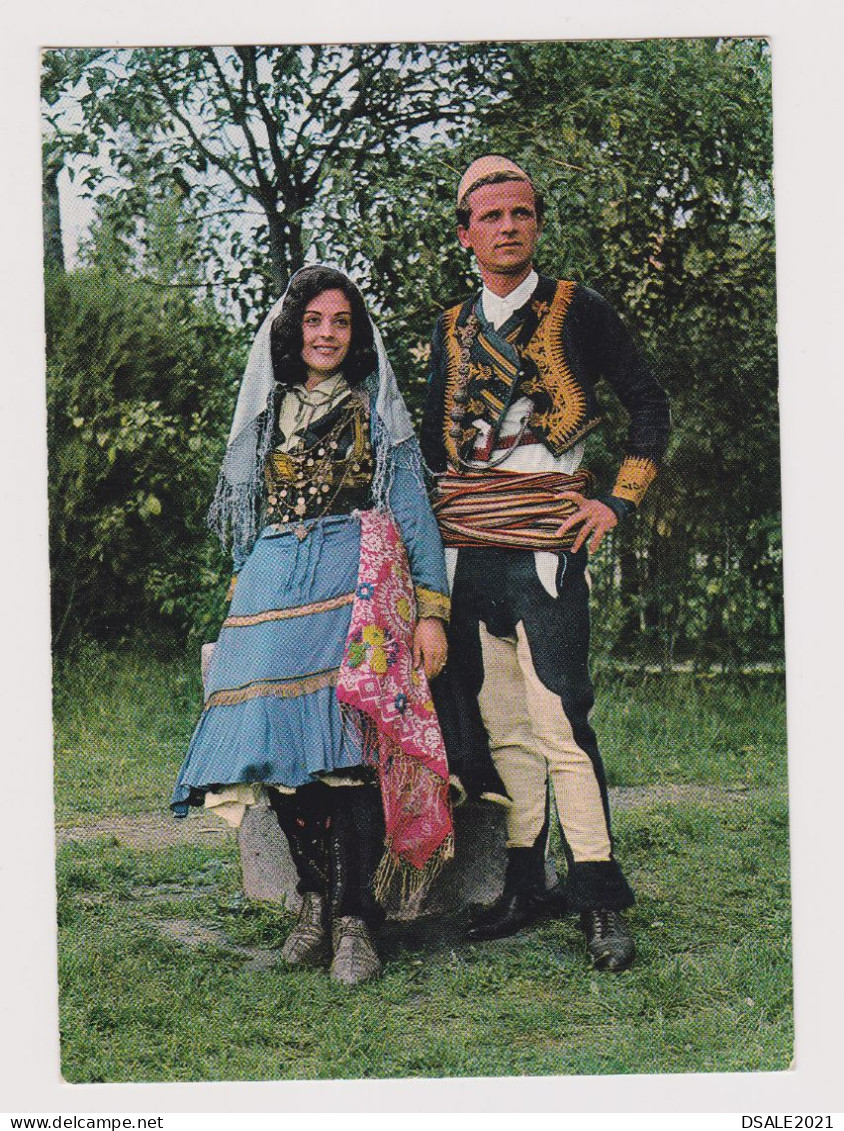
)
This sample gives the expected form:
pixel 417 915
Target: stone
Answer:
pixel 205 654
pixel 474 876
pixel 267 870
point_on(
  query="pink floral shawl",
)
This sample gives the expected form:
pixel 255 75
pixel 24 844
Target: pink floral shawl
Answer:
pixel 391 702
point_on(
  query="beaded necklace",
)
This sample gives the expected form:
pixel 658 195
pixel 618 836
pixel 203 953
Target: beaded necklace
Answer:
pixel 315 475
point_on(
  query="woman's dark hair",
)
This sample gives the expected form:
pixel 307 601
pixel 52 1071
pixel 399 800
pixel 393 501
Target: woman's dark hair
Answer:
pixel 286 330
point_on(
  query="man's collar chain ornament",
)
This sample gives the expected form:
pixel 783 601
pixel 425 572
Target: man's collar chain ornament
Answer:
pixel 460 338
pixel 559 417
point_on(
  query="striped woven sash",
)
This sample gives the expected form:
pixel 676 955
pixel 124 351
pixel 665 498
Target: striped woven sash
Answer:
pixel 522 510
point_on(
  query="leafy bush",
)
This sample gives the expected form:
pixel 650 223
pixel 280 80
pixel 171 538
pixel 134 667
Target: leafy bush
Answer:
pixel 140 386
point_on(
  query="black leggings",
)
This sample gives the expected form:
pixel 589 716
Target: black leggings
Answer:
pixel 336 839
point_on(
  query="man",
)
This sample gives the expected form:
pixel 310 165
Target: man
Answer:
pixel 510 401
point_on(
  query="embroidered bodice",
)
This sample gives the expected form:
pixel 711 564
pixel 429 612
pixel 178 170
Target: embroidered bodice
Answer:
pixel 321 461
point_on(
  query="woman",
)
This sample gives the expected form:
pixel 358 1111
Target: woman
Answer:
pixel 321 476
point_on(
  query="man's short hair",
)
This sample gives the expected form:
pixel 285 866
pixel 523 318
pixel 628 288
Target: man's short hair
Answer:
pixel 464 210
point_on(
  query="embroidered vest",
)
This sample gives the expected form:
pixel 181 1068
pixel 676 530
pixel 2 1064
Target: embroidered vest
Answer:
pixel 488 370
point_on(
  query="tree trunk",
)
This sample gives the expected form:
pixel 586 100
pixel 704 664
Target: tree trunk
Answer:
pixel 278 250
pixel 287 254
pixel 53 246
pixel 296 257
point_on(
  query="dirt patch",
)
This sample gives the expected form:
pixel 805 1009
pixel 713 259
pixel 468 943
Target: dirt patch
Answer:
pixel 715 796
pixel 151 830
pixel 192 934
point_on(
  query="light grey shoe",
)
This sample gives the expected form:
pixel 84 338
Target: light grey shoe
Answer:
pixel 308 942
pixel 355 957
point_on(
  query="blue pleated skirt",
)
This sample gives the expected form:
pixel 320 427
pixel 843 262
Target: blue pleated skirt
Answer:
pixel 271 713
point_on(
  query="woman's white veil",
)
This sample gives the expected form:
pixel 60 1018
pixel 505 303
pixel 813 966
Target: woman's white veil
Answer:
pixel 236 509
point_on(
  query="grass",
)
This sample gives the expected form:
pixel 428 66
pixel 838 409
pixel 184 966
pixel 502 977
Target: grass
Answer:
pixel 166 970
pixel 710 991
pixel 123 722
pixel 719 730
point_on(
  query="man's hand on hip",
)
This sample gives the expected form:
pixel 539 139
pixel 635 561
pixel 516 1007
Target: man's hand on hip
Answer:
pixel 593 517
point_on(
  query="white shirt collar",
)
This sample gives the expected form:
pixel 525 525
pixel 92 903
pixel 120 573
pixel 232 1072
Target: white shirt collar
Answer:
pixel 497 309
pixel 301 407
pixel 327 389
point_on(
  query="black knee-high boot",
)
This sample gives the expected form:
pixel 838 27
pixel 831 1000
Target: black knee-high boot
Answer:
pixel 355 845
pixel 305 819
pixel 521 901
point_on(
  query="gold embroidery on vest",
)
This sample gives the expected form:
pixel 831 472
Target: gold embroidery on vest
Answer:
pixel 563 422
pixel 309 483
pixel 458 341
pixel 481 372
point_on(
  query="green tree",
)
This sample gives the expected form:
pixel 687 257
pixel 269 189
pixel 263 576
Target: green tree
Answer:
pixel 276 134
pixel 656 162
pixel 217 170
